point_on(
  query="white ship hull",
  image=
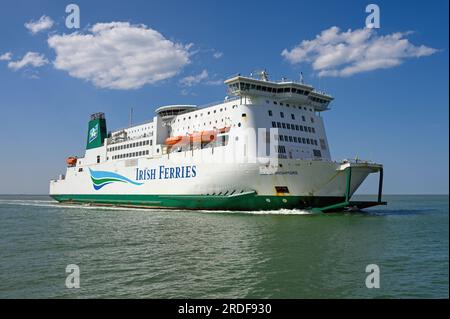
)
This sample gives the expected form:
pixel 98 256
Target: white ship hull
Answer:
pixel 238 186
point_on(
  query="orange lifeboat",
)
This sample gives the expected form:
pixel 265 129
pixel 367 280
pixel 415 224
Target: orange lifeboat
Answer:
pixel 173 140
pixel 71 161
pixel 204 137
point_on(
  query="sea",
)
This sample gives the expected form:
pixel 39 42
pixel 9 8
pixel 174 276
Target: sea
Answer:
pixel 51 250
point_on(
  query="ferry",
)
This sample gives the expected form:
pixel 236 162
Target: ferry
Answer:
pixel 263 147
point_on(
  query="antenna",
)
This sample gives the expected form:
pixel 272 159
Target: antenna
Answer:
pixel 261 74
pixel 302 78
pixel 131 116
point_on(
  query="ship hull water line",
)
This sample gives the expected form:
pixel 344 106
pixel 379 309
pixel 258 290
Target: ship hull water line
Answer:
pixel 208 158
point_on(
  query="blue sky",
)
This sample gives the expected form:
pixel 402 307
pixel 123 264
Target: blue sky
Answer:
pixel 395 113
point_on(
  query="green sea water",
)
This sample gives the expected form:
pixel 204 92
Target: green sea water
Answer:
pixel 135 253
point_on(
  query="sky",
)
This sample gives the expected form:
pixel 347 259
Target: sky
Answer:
pixel 390 83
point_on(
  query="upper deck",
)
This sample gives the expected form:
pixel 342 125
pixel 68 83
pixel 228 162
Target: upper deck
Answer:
pixel 286 91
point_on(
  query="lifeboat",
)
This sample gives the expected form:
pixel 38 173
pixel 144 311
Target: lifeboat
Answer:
pixel 204 137
pixel 71 161
pixel 173 140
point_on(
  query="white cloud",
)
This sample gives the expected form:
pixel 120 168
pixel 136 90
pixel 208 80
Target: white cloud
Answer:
pixel 218 55
pixel 214 82
pixel 194 79
pixel 336 53
pixel 119 55
pixel 203 77
pixel 42 24
pixel 6 56
pixel 30 59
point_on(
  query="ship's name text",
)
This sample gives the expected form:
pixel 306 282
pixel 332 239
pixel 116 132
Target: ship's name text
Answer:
pixel 166 172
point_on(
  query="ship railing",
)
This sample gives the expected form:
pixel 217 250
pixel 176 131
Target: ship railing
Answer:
pixel 234 98
pixel 112 141
pixel 356 161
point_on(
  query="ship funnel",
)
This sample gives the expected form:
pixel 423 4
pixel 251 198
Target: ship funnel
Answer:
pixel 96 130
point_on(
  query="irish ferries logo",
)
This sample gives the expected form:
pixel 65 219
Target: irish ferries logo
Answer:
pixel 103 178
pixel 93 133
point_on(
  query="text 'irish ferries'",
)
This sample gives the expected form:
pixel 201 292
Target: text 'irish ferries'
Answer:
pixel 166 172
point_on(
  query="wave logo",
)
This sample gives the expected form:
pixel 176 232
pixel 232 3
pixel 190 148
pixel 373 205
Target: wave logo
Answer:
pixel 103 178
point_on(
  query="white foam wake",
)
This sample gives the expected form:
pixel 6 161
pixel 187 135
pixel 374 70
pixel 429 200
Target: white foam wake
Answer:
pixel 55 204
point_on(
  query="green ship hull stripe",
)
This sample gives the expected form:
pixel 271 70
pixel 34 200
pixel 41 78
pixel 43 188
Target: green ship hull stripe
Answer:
pixel 249 201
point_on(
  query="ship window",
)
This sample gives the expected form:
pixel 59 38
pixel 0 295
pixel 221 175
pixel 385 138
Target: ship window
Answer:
pixel 98 158
pixel 267 101
pixel 309 129
pixel 303 140
pixel 283 125
pixel 295 139
pixel 288 126
pixel 281 103
pixel 270 113
pixel 308 141
pixel 317 153
pixel 313 129
pixel 281 138
pixel 312 120
pixel 282 114
pixel 278 124
pixel 275 102
pixel 80 169
pixel 274 124
pixel 290 138
pixel 244 115
pixel 303 118
pixel 293 116
pixel 239 124
pixel 296 127
pixel 281 149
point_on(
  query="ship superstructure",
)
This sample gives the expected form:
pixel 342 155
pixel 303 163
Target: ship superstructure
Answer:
pixel 265 147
